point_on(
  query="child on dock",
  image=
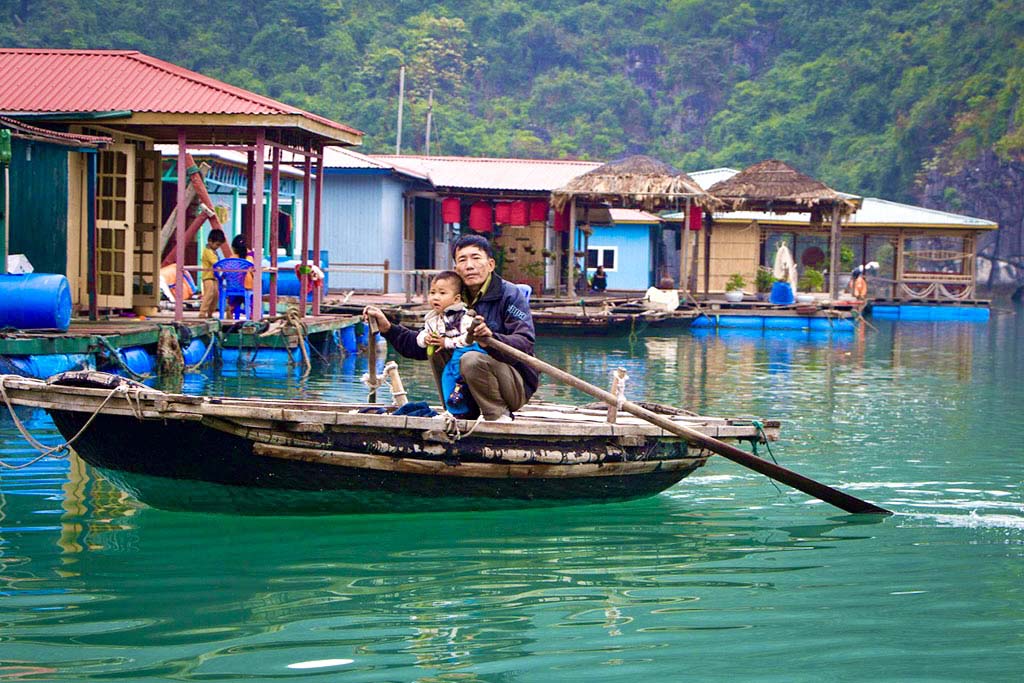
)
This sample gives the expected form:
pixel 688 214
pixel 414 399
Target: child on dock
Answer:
pixel 446 326
pixel 214 242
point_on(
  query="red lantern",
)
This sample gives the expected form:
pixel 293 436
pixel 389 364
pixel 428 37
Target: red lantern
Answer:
pixel 562 219
pixel 451 210
pixel 481 218
pixel 695 219
pixel 502 213
pixel 520 214
pixel 538 211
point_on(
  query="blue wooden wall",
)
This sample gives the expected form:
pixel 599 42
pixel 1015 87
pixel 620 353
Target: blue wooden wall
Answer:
pixel 361 222
pixel 633 267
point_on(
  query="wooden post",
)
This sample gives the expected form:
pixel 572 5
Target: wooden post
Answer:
pixel 398 392
pixel 4 219
pixel 179 235
pixel 258 173
pixel 897 292
pixel 834 247
pixel 693 266
pixel 618 391
pixel 90 227
pixel 275 201
pixel 318 293
pixel 250 162
pixel 307 168
pixel 684 243
pixel 570 272
pixel 387 267
pixel 707 259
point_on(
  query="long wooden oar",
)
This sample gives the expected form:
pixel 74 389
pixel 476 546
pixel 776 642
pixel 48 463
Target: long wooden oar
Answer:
pixel 835 497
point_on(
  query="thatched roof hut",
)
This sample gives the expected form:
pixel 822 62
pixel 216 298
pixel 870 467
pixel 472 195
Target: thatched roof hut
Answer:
pixel 777 187
pixel 636 182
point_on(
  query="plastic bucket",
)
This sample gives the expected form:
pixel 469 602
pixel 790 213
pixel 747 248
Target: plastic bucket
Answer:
pixel 782 294
pixel 35 301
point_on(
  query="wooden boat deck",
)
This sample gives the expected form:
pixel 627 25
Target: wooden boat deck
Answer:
pixel 536 418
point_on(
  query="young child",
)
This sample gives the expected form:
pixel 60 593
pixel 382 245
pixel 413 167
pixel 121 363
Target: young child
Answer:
pixel 240 249
pixel 211 292
pixel 447 318
pixel 448 323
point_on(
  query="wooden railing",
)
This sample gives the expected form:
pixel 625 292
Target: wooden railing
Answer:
pixel 415 282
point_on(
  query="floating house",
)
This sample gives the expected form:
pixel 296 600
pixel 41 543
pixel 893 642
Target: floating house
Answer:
pixel 136 102
pixel 379 221
pixel 505 199
pixel 923 254
pixel 630 247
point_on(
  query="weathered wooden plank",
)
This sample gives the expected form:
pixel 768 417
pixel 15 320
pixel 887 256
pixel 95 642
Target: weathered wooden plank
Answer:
pixel 462 469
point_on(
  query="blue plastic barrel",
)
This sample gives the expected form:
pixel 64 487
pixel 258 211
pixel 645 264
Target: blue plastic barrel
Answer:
pixel 287 281
pixel 348 339
pixel 35 301
pixel 43 366
pixel 194 352
pixel 138 359
pixel 782 294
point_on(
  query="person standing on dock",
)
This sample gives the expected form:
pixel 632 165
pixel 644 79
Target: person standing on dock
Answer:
pixel 214 242
pixel 499 387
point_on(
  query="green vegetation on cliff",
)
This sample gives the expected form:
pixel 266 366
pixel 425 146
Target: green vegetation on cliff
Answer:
pixel 865 94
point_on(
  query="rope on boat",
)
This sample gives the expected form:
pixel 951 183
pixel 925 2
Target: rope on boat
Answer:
pixel 451 426
pixel 761 436
pixel 61 451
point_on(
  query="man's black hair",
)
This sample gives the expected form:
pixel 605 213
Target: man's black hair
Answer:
pixel 473 241
pixel 216 235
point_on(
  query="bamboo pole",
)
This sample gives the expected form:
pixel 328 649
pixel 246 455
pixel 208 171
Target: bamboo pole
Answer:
pixel 809 486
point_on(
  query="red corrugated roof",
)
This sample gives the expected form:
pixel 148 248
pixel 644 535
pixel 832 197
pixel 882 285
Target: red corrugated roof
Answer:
pixel 44 80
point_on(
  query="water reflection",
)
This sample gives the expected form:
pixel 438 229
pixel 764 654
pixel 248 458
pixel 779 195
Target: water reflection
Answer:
pixel 921 417
pixel 410 594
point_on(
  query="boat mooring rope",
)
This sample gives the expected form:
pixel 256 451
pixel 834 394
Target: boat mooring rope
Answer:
pixel 293 319
pixel 62 450
pixel 214 339
pixel 115 355
pixel 451 426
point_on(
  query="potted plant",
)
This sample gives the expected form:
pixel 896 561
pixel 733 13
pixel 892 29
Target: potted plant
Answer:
pixel 811 281
pixel 763 282
pixel 734 288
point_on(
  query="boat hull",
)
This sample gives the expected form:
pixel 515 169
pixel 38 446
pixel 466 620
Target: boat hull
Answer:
pixel 189 465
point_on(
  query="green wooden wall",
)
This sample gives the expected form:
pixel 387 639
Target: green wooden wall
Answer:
pixel 39 205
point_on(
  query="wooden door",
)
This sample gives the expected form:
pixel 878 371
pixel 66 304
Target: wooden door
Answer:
pixel 115 217
pixel 146 261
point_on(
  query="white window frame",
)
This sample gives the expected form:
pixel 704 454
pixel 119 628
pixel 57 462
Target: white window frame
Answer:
pixel 600 257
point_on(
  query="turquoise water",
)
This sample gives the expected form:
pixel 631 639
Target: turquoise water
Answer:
pixel 722 577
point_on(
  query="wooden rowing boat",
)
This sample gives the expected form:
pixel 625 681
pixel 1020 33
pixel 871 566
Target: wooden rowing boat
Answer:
pixel 259 456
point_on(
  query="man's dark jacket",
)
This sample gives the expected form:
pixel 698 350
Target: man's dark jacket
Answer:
pixel 507 313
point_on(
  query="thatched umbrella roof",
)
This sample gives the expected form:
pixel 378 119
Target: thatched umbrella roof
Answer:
pixel 634 182
pixel 776 186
